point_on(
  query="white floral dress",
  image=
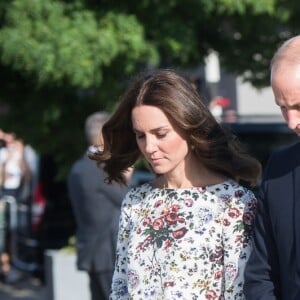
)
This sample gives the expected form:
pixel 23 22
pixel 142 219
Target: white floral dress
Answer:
pixel 184 243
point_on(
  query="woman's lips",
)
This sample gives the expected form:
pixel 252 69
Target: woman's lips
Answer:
pixel 155 160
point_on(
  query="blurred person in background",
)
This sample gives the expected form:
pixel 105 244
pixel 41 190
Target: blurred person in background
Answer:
pixel 273 270
pixel 14 166
pixel 15 177
pixel 185 234
pixel 96 207
pixel 4 258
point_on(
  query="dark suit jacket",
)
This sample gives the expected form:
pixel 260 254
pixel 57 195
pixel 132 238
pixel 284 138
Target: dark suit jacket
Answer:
pixel 273 268
pixel 96 207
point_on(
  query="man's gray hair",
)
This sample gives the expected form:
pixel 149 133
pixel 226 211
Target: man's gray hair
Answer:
pixel 93 126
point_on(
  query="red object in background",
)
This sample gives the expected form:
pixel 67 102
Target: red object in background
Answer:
pixel 38 206
pixel 223 101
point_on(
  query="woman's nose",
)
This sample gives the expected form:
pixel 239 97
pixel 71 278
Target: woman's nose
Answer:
pixel 150 145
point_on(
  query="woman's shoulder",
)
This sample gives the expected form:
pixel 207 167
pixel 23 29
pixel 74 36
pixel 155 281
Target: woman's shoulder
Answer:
pixel 138 191
pixel 239 192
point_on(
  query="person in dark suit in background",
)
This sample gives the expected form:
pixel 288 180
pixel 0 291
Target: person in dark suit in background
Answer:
pixel 96 207
pixel 273 270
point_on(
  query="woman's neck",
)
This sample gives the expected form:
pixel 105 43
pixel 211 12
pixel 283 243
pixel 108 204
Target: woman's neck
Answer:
pixel 200 177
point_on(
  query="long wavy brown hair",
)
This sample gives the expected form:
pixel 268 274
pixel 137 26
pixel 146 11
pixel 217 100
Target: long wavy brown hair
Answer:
pixel 213 145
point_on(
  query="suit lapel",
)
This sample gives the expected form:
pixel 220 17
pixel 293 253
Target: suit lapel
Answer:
pixel 296 219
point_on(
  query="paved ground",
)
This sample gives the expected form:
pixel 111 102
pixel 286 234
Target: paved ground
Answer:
pixel 26 289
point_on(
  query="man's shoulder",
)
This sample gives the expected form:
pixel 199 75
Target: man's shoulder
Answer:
pixel 76 164
pixel 287 152
pixel 283 161
pixel 84 164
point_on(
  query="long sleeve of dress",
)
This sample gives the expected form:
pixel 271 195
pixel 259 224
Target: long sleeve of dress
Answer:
pixel 119 282
pixel 237 229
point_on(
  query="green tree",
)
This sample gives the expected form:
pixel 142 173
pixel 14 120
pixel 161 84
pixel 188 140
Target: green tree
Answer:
pixel 61 60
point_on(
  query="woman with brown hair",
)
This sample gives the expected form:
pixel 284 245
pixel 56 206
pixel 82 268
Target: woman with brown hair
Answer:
pixel 186 234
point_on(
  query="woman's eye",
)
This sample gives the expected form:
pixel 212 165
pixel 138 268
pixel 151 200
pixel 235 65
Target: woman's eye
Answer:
pixel 140 136
pixel 161 135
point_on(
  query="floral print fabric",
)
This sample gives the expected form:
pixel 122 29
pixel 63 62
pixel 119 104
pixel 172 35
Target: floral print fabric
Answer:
pixel 184 243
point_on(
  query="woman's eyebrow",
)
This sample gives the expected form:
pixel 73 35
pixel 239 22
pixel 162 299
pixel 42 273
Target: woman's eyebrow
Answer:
pixel 153 129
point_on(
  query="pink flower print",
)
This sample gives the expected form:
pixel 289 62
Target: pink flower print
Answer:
pixel 248 218
pixel 202 189
pixel 146 221
pixel 230 272
pixel 225 197
pixel 188 202
pixel 160 232
pixel 158 224
pixel 217 256
pixel 211 295
pixel 175 208
pixel 226 222
pixel 171 218
pixel 252 206
pixel 234 213
pixel 169 283
pixel 238 239
pixel 179 233
pixel 168 244
pixel 239 193
pixel 149 238
pixel 218 275
pixel 158 203
pixel 133 278
pixel 181 219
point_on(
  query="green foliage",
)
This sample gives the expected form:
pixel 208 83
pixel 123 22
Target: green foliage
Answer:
pixel 59 43
pixel 241 7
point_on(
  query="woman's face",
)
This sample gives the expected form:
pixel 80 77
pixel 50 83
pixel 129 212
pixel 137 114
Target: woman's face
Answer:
pixel 162 144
